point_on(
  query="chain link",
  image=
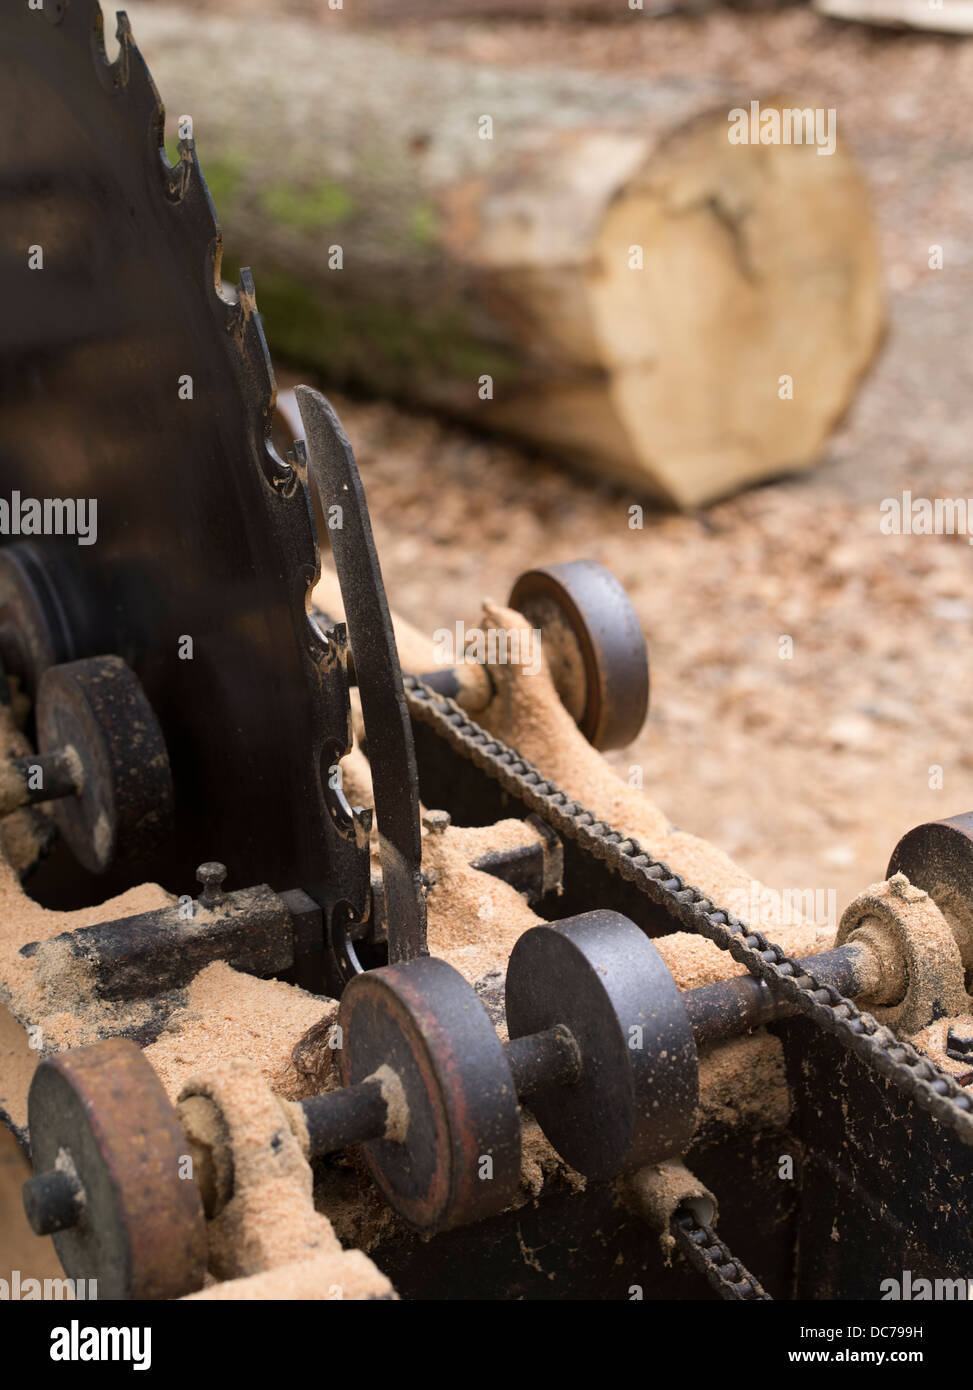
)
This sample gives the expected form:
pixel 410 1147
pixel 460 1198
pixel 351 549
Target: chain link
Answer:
pixel 915 1075
pixel 710 1257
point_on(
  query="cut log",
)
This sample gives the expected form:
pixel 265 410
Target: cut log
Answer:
pixel 399 11
pixel 944 16
pixel 617 11
pixel 586 262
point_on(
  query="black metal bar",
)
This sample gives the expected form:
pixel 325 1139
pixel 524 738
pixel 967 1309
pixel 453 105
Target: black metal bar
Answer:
pixel 51 1202
pixel 58 775
pixel 444 681
pixel 534 870
pixel 539 1060
pixel 143 955
pixel 728 1008
pixel 391 754
pixel 351 1115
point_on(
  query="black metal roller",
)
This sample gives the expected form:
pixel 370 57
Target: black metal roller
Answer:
pixel 938 858
pixel 123 806
pixel 458 1158
pixel 593 645
pixel 634 1101
pixel 34 630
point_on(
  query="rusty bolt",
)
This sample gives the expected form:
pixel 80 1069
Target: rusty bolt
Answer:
pixel 211 876
pixel 436 821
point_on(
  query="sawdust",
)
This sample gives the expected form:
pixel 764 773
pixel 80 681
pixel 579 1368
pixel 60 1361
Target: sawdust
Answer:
pixel 742 1085
pixel 473 919
pixel 346 1276
pixel 356 778
pixel 13 788
pixel 693 960
pixel 17 1063
pixel 232 1015
pixel 270 1218
pixel 528 713
pixel 315 1054
pixel 509 834
pixel 895 917
pixel 50 992
pixel 225 1013
pixel 358 1213
pixel 25 835
pixel 541 1166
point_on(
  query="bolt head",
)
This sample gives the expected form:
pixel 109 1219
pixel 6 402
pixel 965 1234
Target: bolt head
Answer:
pixel 436 821
pixel 211 873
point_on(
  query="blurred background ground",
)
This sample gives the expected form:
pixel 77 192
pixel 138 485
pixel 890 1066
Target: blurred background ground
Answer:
pixel 807 770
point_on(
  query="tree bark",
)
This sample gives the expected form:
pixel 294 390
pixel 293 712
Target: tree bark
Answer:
pixel 581 260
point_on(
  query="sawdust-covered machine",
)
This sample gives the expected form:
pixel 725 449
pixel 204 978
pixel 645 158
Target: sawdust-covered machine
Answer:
pixel 455 1011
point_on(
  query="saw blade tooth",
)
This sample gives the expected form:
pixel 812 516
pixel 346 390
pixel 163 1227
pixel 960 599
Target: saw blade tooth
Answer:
pixel 179 177
pixel 126 78
pixel 122 65
pixel 184 186
pixel 244 323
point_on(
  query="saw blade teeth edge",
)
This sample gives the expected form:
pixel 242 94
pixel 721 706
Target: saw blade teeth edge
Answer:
pixel 127 78
pixel 194 239
pixel 185 191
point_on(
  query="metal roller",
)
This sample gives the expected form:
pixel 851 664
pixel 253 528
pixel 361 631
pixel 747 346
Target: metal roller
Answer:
pixel 593 645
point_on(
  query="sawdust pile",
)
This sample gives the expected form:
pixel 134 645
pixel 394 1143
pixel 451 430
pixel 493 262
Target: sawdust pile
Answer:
pixel 473 919
pixel 228 1014
pixel 345 1276
pixel 742 1084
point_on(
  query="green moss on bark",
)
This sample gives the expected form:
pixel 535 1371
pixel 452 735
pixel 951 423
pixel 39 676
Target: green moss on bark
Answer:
pixel 383 345
pixel 307 210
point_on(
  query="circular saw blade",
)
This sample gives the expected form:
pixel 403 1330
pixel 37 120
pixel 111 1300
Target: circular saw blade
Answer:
pixel 129 377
